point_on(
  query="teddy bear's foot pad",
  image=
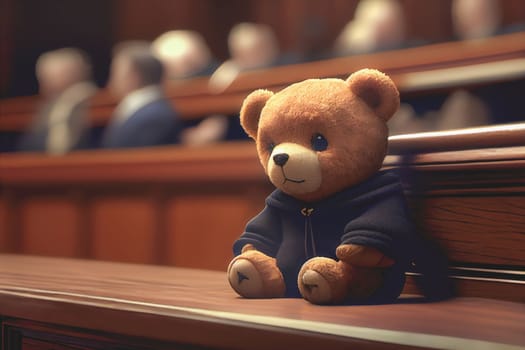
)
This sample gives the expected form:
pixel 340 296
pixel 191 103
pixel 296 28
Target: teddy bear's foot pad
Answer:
pixel 245 279
pixel 315 288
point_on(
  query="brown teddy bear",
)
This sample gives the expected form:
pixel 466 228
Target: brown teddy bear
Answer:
pixel 322 143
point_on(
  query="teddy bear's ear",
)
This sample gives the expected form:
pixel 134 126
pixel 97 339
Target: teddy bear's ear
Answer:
pixel 251 111
pixel 377 90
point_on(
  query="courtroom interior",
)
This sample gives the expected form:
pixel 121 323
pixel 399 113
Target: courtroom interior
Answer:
pixel 129 173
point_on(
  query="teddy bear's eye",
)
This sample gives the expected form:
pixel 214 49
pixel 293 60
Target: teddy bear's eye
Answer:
pixel 319 143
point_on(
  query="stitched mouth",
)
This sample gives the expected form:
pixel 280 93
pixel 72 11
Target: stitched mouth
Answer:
pixel 291 180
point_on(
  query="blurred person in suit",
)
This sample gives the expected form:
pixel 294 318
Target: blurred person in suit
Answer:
pixel 65 84
pixel 251 46
pixel 186 55
pixel 144 117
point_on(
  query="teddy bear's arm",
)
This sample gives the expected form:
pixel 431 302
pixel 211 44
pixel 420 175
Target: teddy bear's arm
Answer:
pixel 363 256
pixel 383 229
pixel 386 228
pixel 262 233
pixel 254 273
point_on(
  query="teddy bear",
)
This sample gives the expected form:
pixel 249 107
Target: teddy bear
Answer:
pixel 337 228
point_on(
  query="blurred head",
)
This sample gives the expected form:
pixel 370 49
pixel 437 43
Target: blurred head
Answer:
pixel 252 45
pixel 59 69
pixel 475 18
pixel 183 53
pixel 134 66
pixel 377 24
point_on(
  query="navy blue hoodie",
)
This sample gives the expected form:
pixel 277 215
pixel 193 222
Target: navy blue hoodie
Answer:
pixel 373 213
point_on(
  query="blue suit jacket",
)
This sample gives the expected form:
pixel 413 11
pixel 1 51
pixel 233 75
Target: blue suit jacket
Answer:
pixel 154 124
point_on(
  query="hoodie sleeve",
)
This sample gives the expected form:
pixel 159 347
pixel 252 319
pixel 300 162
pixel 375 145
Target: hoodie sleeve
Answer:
pixel 385 225
pixel 264 232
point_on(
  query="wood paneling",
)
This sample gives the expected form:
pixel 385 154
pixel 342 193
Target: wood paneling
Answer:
pixel 492 289
pixel 49 226
pixel 305 27
pixel 6 44
pixel 479 229
pixel 428 20
pixel 124 228
pixel 146 20
pixel 28 335
pixel 37 27
pixel 4 225
pixel 202 229
pixel 480 288
pixel 32 344
pixel 513 11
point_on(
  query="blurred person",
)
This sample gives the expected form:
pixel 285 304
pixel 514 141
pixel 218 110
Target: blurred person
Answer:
pixel 251 46
pixel 472 19
pixel 185 55
pixel 377 25
pixel 144 117
pixel 65 85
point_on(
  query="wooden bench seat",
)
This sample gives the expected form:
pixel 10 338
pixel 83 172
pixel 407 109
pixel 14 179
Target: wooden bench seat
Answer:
pixel 69 304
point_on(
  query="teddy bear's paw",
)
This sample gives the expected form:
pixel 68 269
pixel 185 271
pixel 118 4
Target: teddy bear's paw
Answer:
pixel 324 280
pixel 365 282
pixel 315 288
pixel 245 279
pixel 255 275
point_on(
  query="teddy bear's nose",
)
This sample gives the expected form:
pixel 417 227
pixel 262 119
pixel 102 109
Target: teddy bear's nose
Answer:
pixel 281 159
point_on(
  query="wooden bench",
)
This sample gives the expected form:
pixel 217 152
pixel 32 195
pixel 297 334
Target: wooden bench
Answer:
pixel 154 206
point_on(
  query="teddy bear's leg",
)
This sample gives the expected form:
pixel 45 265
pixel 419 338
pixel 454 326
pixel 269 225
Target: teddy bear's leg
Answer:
pixel 326 281
pixel 256 275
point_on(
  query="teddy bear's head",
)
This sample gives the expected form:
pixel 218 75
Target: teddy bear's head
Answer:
pixel 319 136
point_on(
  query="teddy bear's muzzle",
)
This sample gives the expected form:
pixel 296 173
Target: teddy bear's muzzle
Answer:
pixel 294 168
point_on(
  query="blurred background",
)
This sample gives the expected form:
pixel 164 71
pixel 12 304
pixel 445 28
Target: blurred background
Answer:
pixel 306 28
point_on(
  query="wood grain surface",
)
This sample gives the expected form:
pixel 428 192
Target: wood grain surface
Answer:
pixel 198 307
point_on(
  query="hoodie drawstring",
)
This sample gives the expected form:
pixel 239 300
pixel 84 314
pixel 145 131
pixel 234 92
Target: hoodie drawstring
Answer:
pixel 308 231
